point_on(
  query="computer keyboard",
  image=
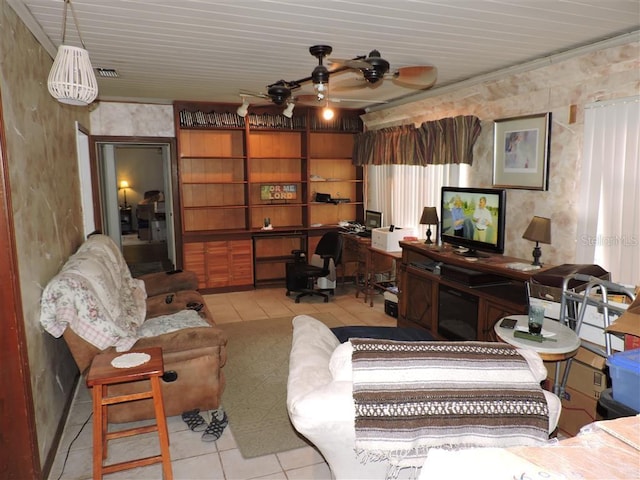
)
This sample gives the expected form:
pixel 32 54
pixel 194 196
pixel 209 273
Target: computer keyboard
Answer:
pixel 365 234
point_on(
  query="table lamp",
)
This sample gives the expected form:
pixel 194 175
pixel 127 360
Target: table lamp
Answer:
pixel 429 217
pixel 539 231
pixel 123 186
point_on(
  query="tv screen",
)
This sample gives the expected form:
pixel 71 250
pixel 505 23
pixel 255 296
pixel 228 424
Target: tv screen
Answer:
pixel 473 219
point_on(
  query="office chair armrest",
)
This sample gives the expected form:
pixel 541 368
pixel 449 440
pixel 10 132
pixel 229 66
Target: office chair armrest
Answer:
pixel 299 254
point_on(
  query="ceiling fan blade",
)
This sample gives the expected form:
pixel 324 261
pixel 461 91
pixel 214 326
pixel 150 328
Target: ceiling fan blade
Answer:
pixel 355 83
pixel 355 100
pixel 349 63
pixel 418 76
pixel 246 93
pixel 308 99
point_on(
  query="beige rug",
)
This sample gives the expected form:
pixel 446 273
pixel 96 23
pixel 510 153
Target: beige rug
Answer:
pixel 256 392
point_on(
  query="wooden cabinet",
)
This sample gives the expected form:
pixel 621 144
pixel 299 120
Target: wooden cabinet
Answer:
pixel 451 308
pixel 234 173
pixel 220 264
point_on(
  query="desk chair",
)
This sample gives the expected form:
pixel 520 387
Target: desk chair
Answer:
pixel 316 275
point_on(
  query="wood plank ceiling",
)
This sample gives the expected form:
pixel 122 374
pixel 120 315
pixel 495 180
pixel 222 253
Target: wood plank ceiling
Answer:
pixel 209 50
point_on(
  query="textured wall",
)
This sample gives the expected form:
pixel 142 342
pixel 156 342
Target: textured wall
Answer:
pixel 43 177
pixel 132 119
pixel 600 75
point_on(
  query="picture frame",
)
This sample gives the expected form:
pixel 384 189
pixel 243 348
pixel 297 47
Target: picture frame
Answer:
pixel 521 152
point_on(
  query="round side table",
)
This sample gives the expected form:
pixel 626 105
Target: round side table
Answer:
pixel 566 343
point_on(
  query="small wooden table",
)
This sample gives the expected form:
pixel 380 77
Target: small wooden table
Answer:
pixel 102 374
pixel 566 343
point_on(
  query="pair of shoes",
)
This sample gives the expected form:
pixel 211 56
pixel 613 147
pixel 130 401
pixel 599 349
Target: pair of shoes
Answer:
pixel 218 422
pixel 194 420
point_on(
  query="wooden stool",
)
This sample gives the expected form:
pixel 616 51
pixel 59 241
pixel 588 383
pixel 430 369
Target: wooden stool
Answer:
pixel 101 374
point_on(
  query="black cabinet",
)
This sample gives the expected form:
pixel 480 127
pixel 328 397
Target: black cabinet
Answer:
pixel 125 220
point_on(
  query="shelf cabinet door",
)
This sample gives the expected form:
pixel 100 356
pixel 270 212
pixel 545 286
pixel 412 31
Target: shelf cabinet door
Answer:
pixel 419 302
pixel 220 263
pixel 194 261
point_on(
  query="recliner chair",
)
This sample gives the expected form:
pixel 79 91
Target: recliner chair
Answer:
pixel 315 275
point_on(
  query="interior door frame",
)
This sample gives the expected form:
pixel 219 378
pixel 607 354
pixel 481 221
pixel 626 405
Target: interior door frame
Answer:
pixel 100 209
pixel 20 456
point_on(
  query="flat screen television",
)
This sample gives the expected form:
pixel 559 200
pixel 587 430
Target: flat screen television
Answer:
pixel 473 219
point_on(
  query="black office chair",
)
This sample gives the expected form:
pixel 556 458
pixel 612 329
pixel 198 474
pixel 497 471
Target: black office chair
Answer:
pixel 302 273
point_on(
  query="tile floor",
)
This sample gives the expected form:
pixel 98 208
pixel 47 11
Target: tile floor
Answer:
pixel 193 459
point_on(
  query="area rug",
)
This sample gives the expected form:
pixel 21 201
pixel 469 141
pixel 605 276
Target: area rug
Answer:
pixel 256 392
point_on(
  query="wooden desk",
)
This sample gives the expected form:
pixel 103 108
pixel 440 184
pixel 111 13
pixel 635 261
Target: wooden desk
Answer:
pixel 379 262
pixel 354 251
pixel 421 290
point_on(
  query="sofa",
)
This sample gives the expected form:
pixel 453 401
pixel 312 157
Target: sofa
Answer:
pixel 97 306
pixel 321 407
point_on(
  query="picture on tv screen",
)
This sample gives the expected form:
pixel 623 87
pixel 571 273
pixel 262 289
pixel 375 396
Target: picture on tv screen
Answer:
pixel 473 218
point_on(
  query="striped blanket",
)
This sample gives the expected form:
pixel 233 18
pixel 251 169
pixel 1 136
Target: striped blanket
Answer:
pixel 412 396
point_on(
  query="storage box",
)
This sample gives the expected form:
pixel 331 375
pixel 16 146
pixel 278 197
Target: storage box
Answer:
pixel 629 324
pixel 158 230
pixel 586 374
pixel 383 239
pixel 578 410
pixel 624 369
pixel 391 304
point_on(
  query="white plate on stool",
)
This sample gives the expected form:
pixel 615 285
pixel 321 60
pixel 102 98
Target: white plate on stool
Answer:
pixel 129 360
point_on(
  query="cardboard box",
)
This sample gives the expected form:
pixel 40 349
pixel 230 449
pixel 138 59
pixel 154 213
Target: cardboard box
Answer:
pixel 629 324
pixel 586 375
pixel 578 410
pixel 383 239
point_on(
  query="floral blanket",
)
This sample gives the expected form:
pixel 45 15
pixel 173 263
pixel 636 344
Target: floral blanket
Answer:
pixel 96 296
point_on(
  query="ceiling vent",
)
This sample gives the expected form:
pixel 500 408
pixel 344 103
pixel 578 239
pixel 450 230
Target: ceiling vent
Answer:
pixel 107 72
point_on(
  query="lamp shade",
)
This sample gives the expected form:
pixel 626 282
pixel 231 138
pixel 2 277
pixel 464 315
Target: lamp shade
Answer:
pixel 539 230
pixel 429 216
pixel 124 184
pixel 71 79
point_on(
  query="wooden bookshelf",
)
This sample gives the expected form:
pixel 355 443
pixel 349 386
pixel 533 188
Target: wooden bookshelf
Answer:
pixel 225 165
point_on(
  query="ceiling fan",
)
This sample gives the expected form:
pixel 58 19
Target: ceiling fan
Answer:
pixel 374 69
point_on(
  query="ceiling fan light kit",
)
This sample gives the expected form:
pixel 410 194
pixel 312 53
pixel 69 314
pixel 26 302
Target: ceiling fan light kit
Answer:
pixel 244 108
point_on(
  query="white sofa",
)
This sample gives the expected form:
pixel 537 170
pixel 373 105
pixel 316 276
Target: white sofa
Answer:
pixel 320 403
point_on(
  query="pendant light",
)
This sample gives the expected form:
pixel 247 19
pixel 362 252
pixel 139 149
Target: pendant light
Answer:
pixel 71 79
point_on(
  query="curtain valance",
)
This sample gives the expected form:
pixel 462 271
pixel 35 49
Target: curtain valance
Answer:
pixel 438 142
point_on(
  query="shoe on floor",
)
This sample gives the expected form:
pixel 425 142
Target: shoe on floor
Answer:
pixel 217 425
pixel 194 420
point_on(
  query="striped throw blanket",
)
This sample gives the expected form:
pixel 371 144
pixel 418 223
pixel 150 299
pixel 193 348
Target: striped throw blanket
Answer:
pixel 412 396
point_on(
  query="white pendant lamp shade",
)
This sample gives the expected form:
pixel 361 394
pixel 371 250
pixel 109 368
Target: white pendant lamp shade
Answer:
pixel 71 79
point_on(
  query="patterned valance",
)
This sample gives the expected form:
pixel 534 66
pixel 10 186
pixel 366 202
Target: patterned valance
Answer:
pixel 448 140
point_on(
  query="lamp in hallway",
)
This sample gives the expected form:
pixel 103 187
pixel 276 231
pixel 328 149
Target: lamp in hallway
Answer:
pixel 71 78
pixel 123 186
pixel 539 231
pixel 429 217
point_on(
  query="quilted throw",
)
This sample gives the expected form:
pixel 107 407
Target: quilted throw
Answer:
pixel 95 295
pixel 412 396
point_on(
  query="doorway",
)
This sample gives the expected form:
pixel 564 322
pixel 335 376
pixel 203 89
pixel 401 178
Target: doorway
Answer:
pixel 137 201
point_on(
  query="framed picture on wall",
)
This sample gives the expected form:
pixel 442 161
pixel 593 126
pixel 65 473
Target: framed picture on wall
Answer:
pixel 521 152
